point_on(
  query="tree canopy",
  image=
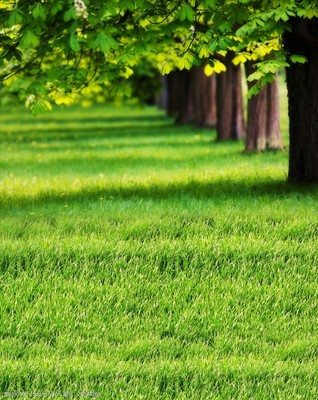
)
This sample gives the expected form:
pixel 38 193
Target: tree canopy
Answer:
pixel 51 48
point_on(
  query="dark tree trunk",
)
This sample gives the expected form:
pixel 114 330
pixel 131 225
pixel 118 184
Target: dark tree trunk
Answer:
pixel 263 125
pixel 256 122
pixel 185 108
pixel 302 85
pixel 203 96
pixel 191 97
pixel 230 117
pixel 179 99
pixel 173 92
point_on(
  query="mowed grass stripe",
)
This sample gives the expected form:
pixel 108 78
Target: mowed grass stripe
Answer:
pixel 143 260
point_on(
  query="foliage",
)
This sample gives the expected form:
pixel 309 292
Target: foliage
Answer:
pixel 145 82
pixel 50 48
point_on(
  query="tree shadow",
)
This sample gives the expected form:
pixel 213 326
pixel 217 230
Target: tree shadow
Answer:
pixel 86 120
pixel 218 190
pixel 79 133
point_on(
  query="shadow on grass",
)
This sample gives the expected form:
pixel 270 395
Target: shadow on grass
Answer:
pixel 219 190
pixel 84 119
pixel 78 132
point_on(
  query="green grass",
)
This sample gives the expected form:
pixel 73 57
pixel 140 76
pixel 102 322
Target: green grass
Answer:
pixel 141 260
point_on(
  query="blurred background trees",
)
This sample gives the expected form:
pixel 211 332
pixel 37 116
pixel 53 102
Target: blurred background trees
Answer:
pixel 53 51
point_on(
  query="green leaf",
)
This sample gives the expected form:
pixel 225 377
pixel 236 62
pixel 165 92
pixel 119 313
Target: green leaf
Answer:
pixel 101 44
pixel 311 13
pixel 166 68
pixel 239 59
pixel 186 13
pixel 269 67
pixel 242 31
pixel 295 58
pixel 129 4
pixel 213 45
pixel 29 39
pixel 215 66
pixel 15 18
pixel 70 14
pixel 56 7
pixel 104 41
pixel 204 52
pixel 209 3
pixel 255 76
pixel 224 27
pixel 74 45
pixel 184 63
pixel 224 43
pixel 111 41
pixel 38 12
pixel 40 106
pixel 283 14
pixel 108 10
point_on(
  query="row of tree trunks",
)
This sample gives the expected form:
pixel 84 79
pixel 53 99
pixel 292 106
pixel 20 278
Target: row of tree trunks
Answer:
pixel 217 101
pixel 263 123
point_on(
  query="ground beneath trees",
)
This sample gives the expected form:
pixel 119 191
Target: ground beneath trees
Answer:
pixel 140 260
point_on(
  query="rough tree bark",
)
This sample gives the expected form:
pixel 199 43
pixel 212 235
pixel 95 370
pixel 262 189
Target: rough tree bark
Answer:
pixel 263 121
pixel 230 116
pixel 302 85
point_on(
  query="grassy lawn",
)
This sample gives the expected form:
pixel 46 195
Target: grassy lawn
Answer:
pixel 140 260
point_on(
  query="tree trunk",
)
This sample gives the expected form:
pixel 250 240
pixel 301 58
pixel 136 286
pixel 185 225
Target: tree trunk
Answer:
pixel 302 85
pixel 185 108
pixel 263 125
pixel 256 122
pixel 162 95
pixel 230 117
pixel 173 91
pixel 191 97
pixel 203 96
pixel 273 136
pixel 179 99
